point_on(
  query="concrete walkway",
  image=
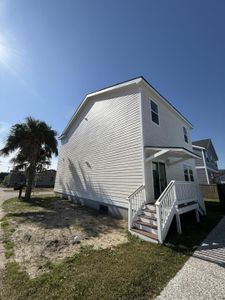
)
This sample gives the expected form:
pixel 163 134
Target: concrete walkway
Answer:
pixel 203 275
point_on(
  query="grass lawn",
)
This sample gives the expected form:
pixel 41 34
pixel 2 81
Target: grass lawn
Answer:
pixel 133 270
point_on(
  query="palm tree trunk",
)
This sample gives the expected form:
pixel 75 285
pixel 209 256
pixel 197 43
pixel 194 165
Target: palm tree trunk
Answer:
pixel 30 180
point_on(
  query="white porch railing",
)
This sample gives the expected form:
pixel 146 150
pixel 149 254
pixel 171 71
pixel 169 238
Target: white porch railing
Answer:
pixel 165 210
pixel 175 194
pixel 136 201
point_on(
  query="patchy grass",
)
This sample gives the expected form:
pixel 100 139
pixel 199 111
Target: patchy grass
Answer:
pixel 133 270
pixel 39 203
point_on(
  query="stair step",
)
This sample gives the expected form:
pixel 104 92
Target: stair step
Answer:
pixel 148 220
pixel 142 215
pixel 149 213
pixel 148 234
pixel 146 224
pixel 145 227
pixel 151 207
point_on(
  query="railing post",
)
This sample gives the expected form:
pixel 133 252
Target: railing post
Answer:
pixel 179 230
pixel 159 224
pixel 129 215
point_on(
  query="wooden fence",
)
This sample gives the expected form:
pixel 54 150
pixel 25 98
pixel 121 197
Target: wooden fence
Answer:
pixel 209 191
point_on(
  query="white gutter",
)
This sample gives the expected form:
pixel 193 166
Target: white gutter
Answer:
pixel 205 167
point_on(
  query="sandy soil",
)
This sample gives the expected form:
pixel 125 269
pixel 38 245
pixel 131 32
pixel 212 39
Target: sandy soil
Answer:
pixel 60 229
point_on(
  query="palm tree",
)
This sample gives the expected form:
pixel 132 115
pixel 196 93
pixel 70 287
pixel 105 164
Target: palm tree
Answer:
pixel 34 142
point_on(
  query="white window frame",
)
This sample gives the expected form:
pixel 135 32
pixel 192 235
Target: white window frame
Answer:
pixel 185 133
pixel 154 112
pixel 189 171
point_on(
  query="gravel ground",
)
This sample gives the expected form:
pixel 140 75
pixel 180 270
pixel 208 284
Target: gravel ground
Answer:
pixel 203 275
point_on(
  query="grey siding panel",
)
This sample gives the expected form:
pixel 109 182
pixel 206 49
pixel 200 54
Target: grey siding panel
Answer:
pixel 198 162
pixel 101 158
pixel 202 176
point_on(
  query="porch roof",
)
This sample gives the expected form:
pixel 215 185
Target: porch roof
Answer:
pixel 171 154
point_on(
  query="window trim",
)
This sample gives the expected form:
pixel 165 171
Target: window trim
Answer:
pixel 154 112
pixel 190 173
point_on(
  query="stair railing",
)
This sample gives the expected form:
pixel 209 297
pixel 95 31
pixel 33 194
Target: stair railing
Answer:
pixel 165 210
pixel 135 203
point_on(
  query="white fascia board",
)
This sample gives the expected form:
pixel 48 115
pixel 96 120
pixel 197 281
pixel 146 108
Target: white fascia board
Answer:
pixel 211 169
pixel 193 155
pixel 198 147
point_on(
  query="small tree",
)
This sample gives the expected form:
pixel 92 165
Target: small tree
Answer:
pixel 35 142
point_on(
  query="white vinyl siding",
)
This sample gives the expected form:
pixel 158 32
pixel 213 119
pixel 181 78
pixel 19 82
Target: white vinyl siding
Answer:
pixel 169 134
pixel 101 157
pixel 170 131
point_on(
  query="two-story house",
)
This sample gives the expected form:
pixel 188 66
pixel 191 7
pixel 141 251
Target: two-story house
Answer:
pixel 207 169
pixel 128 151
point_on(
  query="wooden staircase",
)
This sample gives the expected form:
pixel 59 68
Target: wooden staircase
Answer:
pixel 151 222
pixel 146 223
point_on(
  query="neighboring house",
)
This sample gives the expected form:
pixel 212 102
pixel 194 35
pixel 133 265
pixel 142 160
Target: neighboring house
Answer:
pixel 45 179
pixel 128 151
pixel 207 169
pixel 222 175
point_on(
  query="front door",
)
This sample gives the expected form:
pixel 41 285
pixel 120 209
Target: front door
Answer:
pixel 159 178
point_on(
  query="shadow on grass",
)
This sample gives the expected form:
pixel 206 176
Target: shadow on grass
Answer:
pixel 53 212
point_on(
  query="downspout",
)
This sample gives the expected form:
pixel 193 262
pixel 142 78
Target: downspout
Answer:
pixel 204 162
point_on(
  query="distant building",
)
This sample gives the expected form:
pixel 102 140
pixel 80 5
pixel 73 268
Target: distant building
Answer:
pixel 45 178
pixel 15 178
pixel 222 175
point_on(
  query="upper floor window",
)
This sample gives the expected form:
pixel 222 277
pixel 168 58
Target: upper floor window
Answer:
pixel 154 112
pixel 207 155
pixel 185 134
pixel 188 173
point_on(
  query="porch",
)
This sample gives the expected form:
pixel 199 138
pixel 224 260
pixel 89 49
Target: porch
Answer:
pixel 154 204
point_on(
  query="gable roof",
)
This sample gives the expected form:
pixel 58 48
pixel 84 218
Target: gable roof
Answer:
pixel 206 143
pixel 136 80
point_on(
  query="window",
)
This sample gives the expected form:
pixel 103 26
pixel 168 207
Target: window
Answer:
pixel 186 177
pixel 188 173
pixel 191 175
pixel 206 155
pixel 185 134
pixel 154 112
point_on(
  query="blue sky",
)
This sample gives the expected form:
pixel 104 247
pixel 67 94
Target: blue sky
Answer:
pixel 54 52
